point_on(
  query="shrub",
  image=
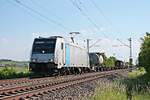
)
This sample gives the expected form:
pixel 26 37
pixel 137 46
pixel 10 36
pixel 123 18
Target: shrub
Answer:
pixel 10 72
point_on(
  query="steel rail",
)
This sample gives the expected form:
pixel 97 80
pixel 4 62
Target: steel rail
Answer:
pixel 38 89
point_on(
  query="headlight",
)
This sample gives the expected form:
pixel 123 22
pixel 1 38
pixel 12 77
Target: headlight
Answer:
pixel 30 69
pixel 51 60
pixel 33 60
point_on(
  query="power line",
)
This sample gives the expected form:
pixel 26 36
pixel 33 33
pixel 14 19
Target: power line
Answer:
pixel 41 15
pixel 95 43
pixel 86 10
pixel 45 9
pixel 85 15
pixel 123 43
pixel 37 17
pixel 101 11
pixel 103 14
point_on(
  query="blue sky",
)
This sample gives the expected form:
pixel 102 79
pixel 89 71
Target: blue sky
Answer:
pixel 119 19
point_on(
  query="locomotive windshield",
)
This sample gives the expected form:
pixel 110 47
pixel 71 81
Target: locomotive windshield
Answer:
pixel 43 46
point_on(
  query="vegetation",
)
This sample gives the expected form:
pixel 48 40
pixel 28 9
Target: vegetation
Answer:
pixel 138 84
pixel 109 91
pixel 144 55
pixel 13 69
pixel 110 62
pixel 136 73
pixel 13 72
pixel 139 80
pixel 10 63
pixel 134 88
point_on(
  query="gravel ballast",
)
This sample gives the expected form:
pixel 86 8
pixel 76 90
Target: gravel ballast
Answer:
pixel 82 91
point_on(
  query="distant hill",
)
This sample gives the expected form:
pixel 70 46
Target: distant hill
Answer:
pixel 8 62
pixel 5 60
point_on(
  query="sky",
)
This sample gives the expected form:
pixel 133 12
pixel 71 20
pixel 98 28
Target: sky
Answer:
pixel 104 20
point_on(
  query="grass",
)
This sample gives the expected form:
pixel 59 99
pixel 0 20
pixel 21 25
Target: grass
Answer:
pixel 141 97
pixel 115 91
pixel 109 91
pixel 22 69
pixel 14 72
pixel 136 73
pixel 17 69
pixel 136 87
pixel 14 63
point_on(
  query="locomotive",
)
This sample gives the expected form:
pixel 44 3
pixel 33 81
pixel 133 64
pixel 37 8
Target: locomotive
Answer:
pixel 55 55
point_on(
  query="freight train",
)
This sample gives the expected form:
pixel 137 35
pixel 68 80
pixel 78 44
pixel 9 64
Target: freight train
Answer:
pixel 120 64
pixel 55 55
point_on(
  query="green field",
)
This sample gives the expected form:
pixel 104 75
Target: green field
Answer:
pixel 14 63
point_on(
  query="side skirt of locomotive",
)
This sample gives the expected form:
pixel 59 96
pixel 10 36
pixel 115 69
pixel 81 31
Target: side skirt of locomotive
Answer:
pixel 49 69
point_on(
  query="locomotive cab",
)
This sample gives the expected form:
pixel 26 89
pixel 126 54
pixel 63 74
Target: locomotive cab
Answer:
pixel 47 54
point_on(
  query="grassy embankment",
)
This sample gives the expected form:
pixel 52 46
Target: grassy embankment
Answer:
pixel 135 87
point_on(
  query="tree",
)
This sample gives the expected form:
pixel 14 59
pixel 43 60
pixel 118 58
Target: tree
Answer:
pixel 110 62
pixel 144 55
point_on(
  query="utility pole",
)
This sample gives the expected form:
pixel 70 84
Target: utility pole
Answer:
pixel 130 48
pixel 130 58
pixel 88 45
pixel 88 49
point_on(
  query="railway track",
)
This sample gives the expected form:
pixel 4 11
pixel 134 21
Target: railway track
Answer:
pixel 23 81
pixel 40 88
pixel 11 81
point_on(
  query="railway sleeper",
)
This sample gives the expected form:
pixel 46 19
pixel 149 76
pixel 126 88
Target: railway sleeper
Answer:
pixel 1 95
pixel 5 94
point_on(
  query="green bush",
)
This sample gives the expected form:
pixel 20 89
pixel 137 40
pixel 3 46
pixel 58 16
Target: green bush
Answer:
pixel 110 62
pixel 144 55
pixel 10 72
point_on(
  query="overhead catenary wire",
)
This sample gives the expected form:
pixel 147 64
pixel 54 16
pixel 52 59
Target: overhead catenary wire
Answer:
pixel 123 43
pixel 45 9
pixel 101 12
pixel 107 19
pixel 29 13
pixel 84 9
pixel 95 43
pixel 86 15
pixel 41 15
pixel 90 20
pixel 83 13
